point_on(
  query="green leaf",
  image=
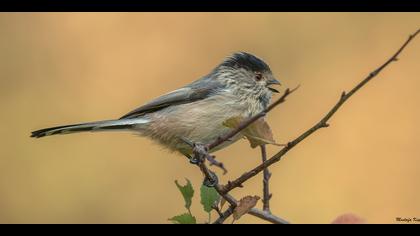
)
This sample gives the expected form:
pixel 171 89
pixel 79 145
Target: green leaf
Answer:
pixel 185 218
pixel 209 197
pixel 187 192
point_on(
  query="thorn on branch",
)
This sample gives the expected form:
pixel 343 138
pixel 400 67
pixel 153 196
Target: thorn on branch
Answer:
pixel 230 185
pixel 373 73
pixel 324 125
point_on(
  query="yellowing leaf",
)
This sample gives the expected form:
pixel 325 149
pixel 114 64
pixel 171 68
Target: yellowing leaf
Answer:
pixel 257 133
pixel 245 204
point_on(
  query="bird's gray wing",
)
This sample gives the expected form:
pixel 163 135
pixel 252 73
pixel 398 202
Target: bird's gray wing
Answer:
pixel 195 91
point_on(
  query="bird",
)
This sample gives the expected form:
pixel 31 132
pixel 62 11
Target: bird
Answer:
pixel 240 86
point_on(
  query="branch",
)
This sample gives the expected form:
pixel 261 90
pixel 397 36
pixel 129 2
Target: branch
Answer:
pixel 321 124
pixel 266 189
pixel 264 215
pixel 224 215
pixel 200 154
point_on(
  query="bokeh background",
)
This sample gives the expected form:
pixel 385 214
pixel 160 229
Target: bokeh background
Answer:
pixel 60 68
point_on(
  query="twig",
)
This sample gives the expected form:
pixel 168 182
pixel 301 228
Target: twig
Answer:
pixel 321 124
pixel 264 215
pixel 250 120
pixel 200 155
pixel 224 215
pixel 200 152
pixel 266 180
pixel 217 209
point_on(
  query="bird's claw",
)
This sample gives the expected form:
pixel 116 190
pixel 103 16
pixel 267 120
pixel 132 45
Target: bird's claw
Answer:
pixel 195 161
pixel 211 181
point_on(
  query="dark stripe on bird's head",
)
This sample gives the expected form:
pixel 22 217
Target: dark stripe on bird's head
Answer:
pixel 247 61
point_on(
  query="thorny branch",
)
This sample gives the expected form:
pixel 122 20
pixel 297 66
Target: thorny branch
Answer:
pixel 266 180
pixel 321 124
pixel 264 215
pixel 267 216
pixel 224 215
pixel 201 152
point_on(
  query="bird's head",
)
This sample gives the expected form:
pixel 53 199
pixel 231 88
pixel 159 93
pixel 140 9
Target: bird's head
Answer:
pixel 248 75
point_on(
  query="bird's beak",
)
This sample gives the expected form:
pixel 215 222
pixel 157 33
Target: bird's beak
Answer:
pixel 273 81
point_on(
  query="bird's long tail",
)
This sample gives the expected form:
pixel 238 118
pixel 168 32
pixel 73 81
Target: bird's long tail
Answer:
pixel 106 125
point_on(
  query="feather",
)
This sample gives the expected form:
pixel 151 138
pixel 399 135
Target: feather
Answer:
pixel 195 91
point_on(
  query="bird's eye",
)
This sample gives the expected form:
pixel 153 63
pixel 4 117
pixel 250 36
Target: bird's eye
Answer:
pixel 258 76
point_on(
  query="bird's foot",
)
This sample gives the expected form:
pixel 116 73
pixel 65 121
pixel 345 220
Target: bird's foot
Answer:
pixel 199 156
pixel 212 160
pixel 211 180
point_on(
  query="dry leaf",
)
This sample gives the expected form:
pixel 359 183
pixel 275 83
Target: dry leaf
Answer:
pixel 245 204
pixel 258 133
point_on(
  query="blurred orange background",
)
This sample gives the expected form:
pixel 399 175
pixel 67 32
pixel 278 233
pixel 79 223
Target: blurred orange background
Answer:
pixel 61 68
